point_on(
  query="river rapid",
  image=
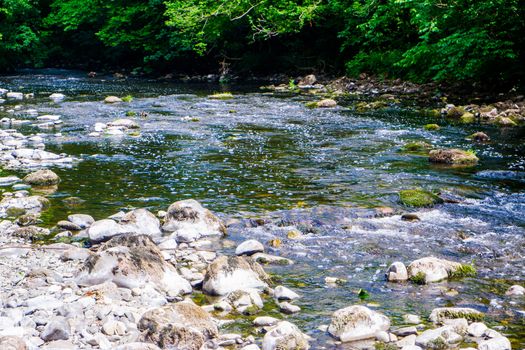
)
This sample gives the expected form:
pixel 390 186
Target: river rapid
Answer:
pixel 268 165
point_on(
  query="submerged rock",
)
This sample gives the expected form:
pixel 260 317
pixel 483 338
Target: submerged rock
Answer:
pixel 42 178
pixel 453 156
pixel 130 262
pixel 188 221
pixel 357 322
pixel 228 274
pixel 285 336
pixel 183 325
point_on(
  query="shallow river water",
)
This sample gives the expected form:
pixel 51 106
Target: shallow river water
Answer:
pixel 322 171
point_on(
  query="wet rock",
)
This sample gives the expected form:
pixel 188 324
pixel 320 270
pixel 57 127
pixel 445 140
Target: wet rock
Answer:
pixel 310 79
pixel 56 329
pixel 81 220
pixel 103 230
pixel 283 293
pixel 249 247
pixel 12 343
pixel 271 259
pixel 57 97
pixel 15 96
pixel 327 103
pixel 188 221
pixel 264 321
pixel 183 325
pixel 441 314
pixel 505 122
pixel 68 225
pixel 397 272
pixel 285 336
pixel 124 123
pixel 452 156
pixel 112 99
pixel 287 308
pixel 410 217
pixel 479 137
pixel 130 262
pixel 357 322
pixel 228 274
pixel 500 343
pixel 430 269
pixel 515 290
pixel 141 221
pixel 418 198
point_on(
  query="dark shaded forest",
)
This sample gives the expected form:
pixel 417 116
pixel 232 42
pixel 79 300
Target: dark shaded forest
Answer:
pixel 445 41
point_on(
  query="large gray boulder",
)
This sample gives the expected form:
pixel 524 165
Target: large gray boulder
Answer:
pixel 183 326
pixel 357 322
pixel 131 262
pixel 228 274
pixel 188 221
pixel 22 205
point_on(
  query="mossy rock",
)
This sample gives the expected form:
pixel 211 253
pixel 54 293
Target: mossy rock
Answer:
pixel 418 198
pixel 131 113
pixel 417 147
pixel 453 156
pixel 432 127
pixel 467 118
pixel 455 112
pixel 221 96
pixel 479 137
pixel 505 122
pixel 15 212
pixel 312 104
pixel 434 113
pixel 127 98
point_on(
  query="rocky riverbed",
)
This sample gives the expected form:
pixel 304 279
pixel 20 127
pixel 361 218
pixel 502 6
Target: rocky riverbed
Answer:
pixel 84 265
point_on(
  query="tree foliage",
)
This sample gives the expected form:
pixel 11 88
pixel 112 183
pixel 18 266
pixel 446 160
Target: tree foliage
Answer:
pixel 421 40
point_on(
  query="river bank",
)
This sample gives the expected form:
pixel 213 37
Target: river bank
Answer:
pixel 319 187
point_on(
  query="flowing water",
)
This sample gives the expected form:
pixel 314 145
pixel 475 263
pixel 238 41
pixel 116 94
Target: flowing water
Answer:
pixel 278 166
